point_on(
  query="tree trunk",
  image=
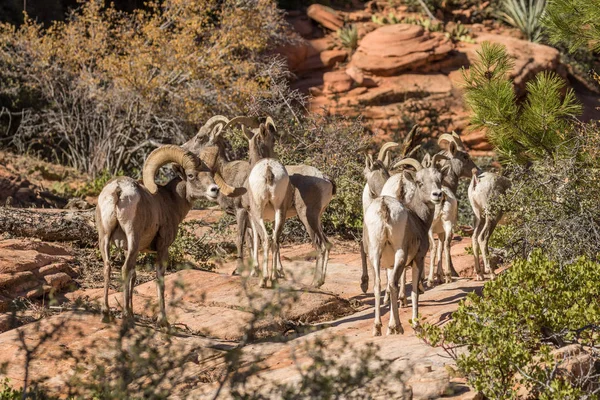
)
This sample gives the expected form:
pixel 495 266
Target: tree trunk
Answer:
pixel 50 225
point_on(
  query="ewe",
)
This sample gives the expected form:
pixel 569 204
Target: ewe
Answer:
pixel 146 217
pixel 397 233
pixel 483 191
pixel 313 192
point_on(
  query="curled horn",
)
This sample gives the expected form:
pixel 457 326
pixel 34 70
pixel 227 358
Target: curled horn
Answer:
pixel 426 162
pixel 385 148
pixel 446 137
pixel 409 161
pixel 226 188
pixel 164 155
pixel 209 155
pixel 212 124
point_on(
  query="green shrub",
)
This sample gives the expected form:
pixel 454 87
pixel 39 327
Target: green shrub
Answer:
pixel 508 332
pixel 349 37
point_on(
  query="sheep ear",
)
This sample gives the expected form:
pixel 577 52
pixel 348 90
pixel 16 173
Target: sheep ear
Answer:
pixel 426 161
pixel 408 175
pixel 369 162
pixel 452 148
pixel 249 134
pixel 178 170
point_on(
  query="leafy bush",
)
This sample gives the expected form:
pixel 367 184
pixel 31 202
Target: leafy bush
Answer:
pixel 102 89
pixel 535 306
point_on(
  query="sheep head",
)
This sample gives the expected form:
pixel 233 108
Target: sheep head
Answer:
pixel 460 162
pixel 260 135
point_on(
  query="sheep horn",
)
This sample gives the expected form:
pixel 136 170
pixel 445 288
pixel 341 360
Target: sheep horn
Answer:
pixel 409 161
pixel 385 148
pixel 210 125
pixel 209 156
pixel 226 188
pixel 164 155
pixel 250 122
pixel 446 137
pixel 437 157
pixel 426 162
pixel 270 122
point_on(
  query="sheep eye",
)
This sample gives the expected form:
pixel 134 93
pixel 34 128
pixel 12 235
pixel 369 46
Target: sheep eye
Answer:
pixel 190 176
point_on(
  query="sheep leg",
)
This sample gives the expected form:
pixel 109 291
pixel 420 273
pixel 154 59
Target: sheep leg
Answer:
pixel 266 249
pixel 255 237
pixel 364 279
pixel 322 246
pixel 127 275
pixel 277 229
pixel 375 261
pixel 161 266
pixel 395 327
pixel 402 288
pixel 484 238
pixel 131 286
pixel 447 241
pixel 105 252
pixel 417 266
pixel 241 216
pixel 474 241
pixel 432 258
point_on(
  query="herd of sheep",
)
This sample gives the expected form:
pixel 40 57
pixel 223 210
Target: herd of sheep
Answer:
pixel 404 205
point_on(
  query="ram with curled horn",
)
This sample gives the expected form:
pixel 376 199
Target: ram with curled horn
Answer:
pixel 145 217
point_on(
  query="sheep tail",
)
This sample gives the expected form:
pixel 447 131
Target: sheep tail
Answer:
pixel 334 189
pixel 269 175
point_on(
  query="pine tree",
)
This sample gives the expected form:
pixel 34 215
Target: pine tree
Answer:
pixel 534 129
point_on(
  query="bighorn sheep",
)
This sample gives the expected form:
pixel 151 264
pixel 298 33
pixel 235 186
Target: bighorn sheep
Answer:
pixel 270 194
pixel 313 192
pixel 376 173
pixel 483 190
pixel 397 233
pixel 145 217
pixel 458 165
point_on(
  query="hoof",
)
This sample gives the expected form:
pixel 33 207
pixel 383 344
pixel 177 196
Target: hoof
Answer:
pixel 403 302
pixel 447 279
pixel 163 323
pixel 386 299
pixel 364 285
pixel 106 316
pixel 377 330
pixel 421 288
pixel 263 283
pixel 317 284
pixel 254 272
pixel 479 277
pixel 430 283
pixel 395 330
pixel 280 274
pixel 235 272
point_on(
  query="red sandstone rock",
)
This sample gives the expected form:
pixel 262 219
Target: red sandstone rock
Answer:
pixel 395 48
pixel 336 82
pixel 325 16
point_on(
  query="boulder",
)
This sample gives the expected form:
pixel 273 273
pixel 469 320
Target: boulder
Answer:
pixel 30 269
pixel 392 49
pixel 336 82
pixel 325 16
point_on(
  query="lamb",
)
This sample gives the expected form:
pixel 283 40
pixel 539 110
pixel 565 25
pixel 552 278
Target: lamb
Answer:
pixel 397 233
pixel 458 165
pixel 313 192
pixel 146 217
pixel 484 189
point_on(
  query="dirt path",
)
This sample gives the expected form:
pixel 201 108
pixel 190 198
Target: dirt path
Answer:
pixel 219 306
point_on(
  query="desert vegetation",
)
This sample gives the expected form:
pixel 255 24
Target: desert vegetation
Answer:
pixel 223 179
